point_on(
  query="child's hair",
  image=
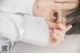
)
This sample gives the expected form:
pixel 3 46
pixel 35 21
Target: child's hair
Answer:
pixel 74 19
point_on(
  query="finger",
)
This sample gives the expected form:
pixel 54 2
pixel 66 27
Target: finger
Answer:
pixel 62 27
pixel 59 11
pixel 69 27
pixel 64 20
pixel 51 24
pixel 60 33
pixel 50 37
pixel 51 32
pixel 55 39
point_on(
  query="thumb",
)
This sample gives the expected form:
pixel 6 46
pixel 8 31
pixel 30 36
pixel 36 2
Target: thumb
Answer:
pixel 59 12
pixel 51 24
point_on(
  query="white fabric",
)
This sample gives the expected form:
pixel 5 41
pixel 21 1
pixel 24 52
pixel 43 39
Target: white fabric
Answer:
pixel 5 44
pixel 14 6
pixel 9 25
pixel 24 28
pixel 71 44
pixel 36 31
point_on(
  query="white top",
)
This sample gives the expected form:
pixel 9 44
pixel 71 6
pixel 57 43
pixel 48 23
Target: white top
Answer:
pixel 14 6
pixel 27 28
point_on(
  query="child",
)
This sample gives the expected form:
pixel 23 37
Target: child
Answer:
pixel 32 21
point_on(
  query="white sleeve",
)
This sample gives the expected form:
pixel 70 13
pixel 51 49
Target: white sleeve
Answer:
pixel 36 31
pixel 7 28
pixel 27 28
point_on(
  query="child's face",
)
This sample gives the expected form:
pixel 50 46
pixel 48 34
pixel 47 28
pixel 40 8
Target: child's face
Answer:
pixel 48 7
pixel 66 5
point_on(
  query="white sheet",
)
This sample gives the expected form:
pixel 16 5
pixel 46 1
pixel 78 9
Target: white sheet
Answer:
pixel 70 45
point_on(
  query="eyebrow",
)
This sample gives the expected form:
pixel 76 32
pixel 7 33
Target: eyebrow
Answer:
pixel 62 2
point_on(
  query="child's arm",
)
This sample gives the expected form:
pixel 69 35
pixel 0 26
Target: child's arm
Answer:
pixel 13 27
pixel 36 30
pixel 26 28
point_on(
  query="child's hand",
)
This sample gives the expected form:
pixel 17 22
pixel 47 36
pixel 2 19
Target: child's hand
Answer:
pixel 57 35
